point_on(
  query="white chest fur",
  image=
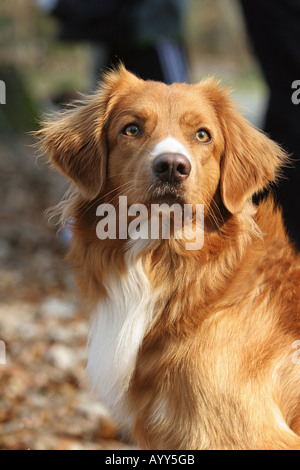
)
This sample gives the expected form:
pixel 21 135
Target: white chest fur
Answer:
pixel 116 334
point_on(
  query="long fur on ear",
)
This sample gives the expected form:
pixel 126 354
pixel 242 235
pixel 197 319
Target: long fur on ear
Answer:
pixel 250 161
pixel 75 140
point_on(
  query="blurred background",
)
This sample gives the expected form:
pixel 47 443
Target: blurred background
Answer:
pixel 45 402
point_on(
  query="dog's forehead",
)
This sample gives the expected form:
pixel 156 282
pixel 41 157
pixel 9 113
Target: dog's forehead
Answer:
pixel 145 93
pixel 176 100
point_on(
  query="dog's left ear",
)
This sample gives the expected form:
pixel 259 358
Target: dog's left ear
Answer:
pixel 250 161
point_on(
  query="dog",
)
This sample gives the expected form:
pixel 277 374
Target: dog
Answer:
pixel 190 349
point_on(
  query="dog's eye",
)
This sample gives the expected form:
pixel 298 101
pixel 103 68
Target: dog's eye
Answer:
pixel 203 136
pixel 131 130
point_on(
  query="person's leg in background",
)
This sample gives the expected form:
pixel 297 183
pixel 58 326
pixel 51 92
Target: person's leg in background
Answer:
pixel 150 40
pixel 274 28
pixel 163 61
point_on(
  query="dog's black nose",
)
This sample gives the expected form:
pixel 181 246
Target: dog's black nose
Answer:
pixel 171 167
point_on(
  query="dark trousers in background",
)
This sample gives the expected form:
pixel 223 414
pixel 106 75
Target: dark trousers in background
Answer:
pixel 164 61
pixel 274 28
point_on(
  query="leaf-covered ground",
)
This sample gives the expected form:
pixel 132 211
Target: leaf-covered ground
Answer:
pixel 45 401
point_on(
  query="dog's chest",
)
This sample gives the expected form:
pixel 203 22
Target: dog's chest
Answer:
pixel 116 334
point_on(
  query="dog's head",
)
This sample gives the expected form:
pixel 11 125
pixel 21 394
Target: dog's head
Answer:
pixel 158 143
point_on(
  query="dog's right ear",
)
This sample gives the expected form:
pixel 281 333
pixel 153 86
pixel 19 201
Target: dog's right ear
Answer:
pixel 75 143
pixel 75 140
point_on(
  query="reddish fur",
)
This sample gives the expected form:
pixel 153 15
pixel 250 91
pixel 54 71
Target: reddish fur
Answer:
pixel 220 343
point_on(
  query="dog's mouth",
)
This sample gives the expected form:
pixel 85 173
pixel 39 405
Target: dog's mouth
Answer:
pixel 166 193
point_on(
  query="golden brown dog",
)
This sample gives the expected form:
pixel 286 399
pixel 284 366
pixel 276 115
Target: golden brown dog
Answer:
pixel 191 349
